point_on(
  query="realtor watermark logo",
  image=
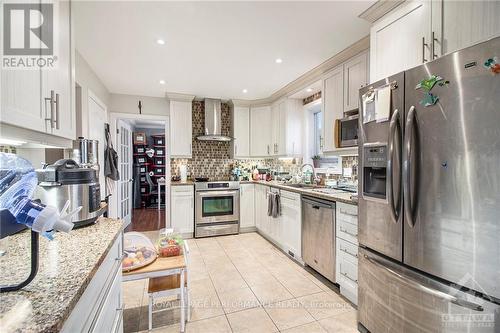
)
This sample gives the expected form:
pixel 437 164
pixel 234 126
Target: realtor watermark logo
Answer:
pixel 29 40
pixel 466 311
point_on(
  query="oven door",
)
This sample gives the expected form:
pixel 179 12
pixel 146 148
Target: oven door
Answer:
pixel 217 206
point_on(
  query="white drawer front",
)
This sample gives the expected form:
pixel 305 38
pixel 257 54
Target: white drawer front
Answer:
pixel 83 315
pixel 182 189
pixel 108 319
pixel 347 231
pixel 349 270
pixel 348 250
pixel 347 213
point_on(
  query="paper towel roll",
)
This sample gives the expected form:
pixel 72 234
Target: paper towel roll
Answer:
pixel 183 172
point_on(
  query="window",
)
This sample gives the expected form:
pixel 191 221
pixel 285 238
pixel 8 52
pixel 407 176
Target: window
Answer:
pixel 318 121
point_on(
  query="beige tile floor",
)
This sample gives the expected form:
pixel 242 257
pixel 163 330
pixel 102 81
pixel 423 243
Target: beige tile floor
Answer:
pixel 243 283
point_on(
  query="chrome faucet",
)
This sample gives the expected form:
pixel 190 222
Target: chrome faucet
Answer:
pixel 313 172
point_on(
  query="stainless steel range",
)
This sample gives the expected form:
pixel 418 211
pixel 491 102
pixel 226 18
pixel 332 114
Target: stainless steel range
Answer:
pixel 217 208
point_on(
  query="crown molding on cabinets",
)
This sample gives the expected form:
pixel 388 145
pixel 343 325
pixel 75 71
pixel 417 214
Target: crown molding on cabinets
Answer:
pixel 179 97
pixel 379 9
pixel 317 73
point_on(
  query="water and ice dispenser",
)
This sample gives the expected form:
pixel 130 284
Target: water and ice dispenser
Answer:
pixel 375 171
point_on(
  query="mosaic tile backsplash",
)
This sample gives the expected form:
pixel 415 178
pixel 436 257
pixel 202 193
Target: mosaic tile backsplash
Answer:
pixel 212 158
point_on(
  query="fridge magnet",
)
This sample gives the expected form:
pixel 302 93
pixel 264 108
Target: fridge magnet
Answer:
pixel 429 83
pixel 493 65
pixel 429 99
pixel 443 83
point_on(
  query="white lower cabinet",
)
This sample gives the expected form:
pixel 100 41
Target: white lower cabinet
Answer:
pixel 247 206
pixel 182 208
pixel 290 224
pixel 285 230
pixel 346 264
pixel 100 308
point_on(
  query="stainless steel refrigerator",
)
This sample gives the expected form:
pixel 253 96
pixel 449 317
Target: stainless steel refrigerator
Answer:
pixel 429 197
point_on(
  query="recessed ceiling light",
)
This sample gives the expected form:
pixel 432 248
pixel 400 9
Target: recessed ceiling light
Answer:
pixel 160 41
pixel 278 60
pixel 309 89
pixel 245 91
pixel 162 81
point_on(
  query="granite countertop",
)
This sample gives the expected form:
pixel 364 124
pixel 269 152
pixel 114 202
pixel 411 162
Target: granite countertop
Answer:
pixel 344 197
pixel 66 267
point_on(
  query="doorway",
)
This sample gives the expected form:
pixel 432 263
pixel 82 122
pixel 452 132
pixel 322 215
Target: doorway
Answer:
pixel 142 193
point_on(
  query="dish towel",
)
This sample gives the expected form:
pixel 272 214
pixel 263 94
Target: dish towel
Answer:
pixel 273 205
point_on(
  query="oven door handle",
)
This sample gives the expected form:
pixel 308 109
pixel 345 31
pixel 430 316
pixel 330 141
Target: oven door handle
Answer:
pixel 217 193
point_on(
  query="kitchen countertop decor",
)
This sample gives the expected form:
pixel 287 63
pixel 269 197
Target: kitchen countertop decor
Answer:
pixel 67 265
pixel 341 196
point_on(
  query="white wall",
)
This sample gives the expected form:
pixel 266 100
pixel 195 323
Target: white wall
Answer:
pixel 87 79
pixel 158 106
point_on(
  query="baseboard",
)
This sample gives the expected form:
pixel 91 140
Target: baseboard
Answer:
pixel 187 235
pixel 247 229
pixel 278 246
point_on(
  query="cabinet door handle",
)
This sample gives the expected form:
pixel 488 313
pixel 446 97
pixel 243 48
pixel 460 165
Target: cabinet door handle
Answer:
pixel 434 40
pixel 235 149
pixel 57 111
pixel 350 278
pixel 424 45
pixel 346 213
pixel 268 150
pixel 51 101
pixel 345 251
pixel 347 232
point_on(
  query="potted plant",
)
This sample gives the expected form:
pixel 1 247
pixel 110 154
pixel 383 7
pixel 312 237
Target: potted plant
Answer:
pixel 316 159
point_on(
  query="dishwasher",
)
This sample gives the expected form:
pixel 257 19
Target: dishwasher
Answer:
pixel 318 235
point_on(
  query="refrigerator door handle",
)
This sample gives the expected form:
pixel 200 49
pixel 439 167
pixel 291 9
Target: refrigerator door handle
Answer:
pixel 437 293
pixel 394 124
pixel 407 168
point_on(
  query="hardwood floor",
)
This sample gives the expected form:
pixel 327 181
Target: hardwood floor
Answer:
pixel 147 219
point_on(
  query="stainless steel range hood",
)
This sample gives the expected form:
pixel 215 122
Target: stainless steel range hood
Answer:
pixel 213 122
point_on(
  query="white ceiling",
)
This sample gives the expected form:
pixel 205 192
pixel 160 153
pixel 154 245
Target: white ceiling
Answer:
pixel 212 49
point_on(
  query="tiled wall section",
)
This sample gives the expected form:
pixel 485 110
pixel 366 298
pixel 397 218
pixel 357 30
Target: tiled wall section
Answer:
pixel 211 159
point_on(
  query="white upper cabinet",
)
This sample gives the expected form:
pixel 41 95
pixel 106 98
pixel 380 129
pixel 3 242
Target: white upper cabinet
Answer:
pixel 260 131
pixel 181 130
pixel 355 77
pixel 333 106
pixel 419 31
pixel 291 142
pixel 42 99
pixel 459 24
pixel 241 131
pixel 277 110
pixel 286 127
pixel 60 81
pixel 401 39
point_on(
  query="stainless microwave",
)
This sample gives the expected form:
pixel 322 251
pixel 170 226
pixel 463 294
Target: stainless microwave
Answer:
pixel 346 132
